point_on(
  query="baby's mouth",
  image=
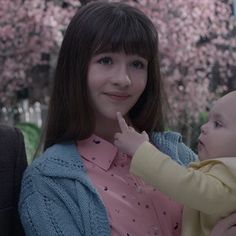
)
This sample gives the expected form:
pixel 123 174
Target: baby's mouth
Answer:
pixel 200 145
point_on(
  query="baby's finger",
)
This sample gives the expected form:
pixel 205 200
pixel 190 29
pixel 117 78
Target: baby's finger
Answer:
pixel 117 136
pixel 121 121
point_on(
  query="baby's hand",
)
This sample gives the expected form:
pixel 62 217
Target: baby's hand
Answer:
pixel 128 140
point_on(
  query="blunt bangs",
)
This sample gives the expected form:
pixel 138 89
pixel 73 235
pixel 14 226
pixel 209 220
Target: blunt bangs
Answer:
pixel 124 32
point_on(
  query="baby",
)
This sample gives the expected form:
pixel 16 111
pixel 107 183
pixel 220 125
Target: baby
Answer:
pixel 206 188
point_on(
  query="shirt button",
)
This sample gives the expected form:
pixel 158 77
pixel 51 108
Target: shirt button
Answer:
pixel 155 230
pixel 139 189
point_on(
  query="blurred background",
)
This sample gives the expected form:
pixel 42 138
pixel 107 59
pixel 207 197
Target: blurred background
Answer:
pixel 197 46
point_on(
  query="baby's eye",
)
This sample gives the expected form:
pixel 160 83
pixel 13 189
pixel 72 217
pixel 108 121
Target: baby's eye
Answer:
pixel 217 124
pixel 138 64
pixel 105 61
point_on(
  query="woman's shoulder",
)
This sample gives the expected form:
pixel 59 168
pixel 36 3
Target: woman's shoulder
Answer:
pixel 166 136
pixel 59 160
pixel 12 149
pixel 171 143
pixel 10 134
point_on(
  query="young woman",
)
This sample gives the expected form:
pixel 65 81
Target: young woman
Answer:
pixel 81 184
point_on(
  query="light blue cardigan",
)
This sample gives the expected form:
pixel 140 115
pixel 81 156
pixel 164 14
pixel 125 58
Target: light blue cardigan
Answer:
pixel 57 197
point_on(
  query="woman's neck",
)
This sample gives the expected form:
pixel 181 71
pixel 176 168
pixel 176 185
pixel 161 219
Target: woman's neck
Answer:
pixel 107 132
pixel 106 129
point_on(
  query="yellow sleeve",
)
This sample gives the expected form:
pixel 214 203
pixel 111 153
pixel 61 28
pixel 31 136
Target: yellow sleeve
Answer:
pixel 193 188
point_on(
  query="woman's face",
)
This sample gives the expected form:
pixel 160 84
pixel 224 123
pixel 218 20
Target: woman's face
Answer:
pixel 115 82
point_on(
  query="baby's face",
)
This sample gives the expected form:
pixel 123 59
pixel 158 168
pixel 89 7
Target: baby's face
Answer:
pixel 218 135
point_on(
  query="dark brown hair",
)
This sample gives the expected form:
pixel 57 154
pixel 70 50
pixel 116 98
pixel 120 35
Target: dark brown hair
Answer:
pixel 102 27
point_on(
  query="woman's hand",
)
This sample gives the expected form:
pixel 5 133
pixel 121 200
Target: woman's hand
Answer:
pixel 225 227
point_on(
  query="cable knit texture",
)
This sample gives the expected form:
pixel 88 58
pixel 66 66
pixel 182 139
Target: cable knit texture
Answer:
pixel 172 145
pixel 57 197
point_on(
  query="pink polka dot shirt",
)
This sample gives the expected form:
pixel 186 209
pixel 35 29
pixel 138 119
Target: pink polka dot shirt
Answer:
pixel 134 208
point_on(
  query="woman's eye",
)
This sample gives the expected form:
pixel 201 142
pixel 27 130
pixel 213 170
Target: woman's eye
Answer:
pixel 217 124
pixel 105 61
pixel 138 64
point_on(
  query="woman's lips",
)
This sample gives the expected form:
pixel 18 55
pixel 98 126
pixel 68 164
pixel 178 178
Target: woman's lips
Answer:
pixel 117 97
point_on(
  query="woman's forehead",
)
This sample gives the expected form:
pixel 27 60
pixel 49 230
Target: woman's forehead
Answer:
pixel 124 47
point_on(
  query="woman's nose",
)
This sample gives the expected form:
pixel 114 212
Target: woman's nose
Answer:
pixel 122 78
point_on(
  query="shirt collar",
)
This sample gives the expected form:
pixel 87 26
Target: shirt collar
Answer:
pixel 98 151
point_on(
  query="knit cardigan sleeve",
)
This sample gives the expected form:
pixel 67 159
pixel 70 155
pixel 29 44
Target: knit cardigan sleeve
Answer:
pixel 42 214
pixel 58 199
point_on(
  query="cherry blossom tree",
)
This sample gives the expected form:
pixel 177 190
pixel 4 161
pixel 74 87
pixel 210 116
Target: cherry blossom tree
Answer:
pixel 196 39
pixel 30 31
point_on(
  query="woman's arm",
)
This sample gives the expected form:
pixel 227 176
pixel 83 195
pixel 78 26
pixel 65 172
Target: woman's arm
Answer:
pixel 42 216
pixel 226 227
pixel 54 202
